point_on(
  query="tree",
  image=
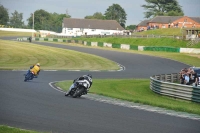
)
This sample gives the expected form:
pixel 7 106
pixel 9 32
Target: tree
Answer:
pixel 4 17
pixel 16 20
pixel 116 12
pixel 131 27
pixel 97 15
pixel 162 8
pixel 44 20
pixel 40 17
pixel 55 23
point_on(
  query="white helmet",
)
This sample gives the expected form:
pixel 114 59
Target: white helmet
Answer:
pixel 38 64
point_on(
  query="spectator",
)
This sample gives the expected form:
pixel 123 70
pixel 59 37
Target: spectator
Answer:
pixel 177 25
pixel 182 75
pixel 169 25
pixel 194 25
pixel 172 25
pixel 193 78
pixel 186 78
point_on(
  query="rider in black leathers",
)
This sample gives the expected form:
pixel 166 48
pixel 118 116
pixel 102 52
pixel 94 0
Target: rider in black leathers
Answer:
pixel 87 78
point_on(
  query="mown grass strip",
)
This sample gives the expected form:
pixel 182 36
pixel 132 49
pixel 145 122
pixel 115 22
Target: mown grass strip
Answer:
pixel 20 55
pixel 138 91
pixel 7 129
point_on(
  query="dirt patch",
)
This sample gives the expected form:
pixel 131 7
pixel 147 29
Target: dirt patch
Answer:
pixel 195 55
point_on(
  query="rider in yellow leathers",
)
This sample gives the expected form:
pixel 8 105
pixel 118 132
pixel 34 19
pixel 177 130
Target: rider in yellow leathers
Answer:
pixel 35 69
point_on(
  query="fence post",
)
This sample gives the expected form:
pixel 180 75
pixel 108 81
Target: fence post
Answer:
pixel 172 77
pixel 165 78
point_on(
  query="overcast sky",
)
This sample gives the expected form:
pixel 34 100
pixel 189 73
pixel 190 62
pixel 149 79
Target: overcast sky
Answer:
pixel 82 8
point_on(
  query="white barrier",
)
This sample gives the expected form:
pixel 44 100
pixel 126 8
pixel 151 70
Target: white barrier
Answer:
pixel 17 29
pixel 190 50
pixel 94 44
pixel 125 46
pixel 107 45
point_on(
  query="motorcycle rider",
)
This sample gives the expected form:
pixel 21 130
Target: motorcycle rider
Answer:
pixel 85 78
pixel 35 69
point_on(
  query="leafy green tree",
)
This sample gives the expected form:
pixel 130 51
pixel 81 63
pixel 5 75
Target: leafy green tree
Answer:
pixel 162 8
pixel 40 18
pixel 116 12
pixel 131 27
pixel 55 23
pixel 174 13
pixel 97 15
pixel 4 17
pixel 16 20
pixel 44 20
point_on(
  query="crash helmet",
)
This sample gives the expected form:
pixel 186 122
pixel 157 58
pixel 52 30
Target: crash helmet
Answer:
pixel 89 75
pixel 38 64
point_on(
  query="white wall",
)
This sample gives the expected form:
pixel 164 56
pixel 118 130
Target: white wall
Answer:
pixel 17 29
pixel 79 32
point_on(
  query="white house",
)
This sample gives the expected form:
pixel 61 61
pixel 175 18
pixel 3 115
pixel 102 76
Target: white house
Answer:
pixel 78 27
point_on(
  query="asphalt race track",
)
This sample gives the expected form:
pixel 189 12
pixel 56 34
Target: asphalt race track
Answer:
pixel 35 105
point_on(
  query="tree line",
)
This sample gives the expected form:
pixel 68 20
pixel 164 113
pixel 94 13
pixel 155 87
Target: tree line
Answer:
pixel 44 20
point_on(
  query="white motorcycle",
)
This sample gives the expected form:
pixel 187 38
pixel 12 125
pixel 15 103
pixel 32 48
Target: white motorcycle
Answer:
pixel 78 88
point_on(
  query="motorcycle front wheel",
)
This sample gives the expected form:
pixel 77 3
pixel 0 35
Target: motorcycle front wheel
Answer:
pixel 78 92
pixel 27 77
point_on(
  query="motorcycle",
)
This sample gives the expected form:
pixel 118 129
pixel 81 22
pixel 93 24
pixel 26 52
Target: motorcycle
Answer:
pixel 78 89
pixel 29 76
pixel 30 39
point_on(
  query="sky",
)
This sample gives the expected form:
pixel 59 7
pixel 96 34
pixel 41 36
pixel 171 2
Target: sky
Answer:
pixel 82 8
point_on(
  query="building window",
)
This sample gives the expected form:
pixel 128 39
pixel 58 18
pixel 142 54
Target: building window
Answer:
pixel 185 20
pixel 69 28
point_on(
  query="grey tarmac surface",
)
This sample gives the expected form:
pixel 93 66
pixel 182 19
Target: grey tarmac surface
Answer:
pixel 35 105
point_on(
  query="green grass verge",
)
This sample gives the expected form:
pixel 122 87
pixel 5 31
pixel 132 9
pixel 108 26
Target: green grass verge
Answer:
pixel 136 90
pixel 21 55
pixel 7 129
pixel 166 31
pixel 160 42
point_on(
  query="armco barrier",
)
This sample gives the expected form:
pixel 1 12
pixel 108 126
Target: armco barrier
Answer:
pixel 174 77
pixel 180 91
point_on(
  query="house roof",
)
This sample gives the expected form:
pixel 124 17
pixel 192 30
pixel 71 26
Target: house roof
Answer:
pixel 197 19
pixel 165 19
pixel 143 23
pixel 92 24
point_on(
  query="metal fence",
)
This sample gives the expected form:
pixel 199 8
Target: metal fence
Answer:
pixel 133 36
pixel 163 84
pixel 118 36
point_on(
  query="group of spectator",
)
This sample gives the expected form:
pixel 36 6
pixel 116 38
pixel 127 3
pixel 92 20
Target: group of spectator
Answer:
pixel 189 77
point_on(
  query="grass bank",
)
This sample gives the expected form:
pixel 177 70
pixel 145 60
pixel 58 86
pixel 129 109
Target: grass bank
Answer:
pixel 7 129
pixel 21 55
pixel 160 42
pixel 165 31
